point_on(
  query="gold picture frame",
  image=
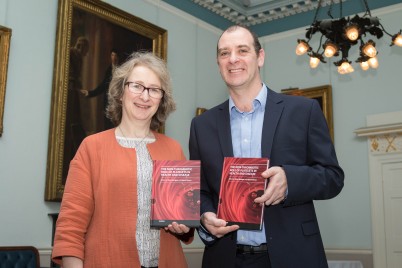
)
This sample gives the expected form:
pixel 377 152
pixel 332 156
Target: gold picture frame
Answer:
pixel 90 29
pixel 5 37
pixel 323 94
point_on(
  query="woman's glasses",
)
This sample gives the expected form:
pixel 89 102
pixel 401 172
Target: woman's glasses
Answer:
pixel 153 92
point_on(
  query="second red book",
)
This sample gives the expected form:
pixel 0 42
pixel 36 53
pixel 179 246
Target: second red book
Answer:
pixel 241 183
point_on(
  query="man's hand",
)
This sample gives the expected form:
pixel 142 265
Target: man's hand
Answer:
pixel 215 226
pixel 84 92
pixel 277 186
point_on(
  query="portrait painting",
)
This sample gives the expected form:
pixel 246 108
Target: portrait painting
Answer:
pixel 323 94
pixel 92 39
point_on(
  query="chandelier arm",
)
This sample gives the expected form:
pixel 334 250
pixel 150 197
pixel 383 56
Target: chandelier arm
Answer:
pixel 367 7
pixel 319 46
pixel 316 12
pixel 329 13
pixel 340 9
pixel 383 29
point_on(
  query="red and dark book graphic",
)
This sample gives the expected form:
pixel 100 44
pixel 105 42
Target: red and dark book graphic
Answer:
pixel 241 183
pixel 175 193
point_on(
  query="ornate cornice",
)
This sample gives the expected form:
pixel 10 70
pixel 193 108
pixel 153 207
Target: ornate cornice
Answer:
pixel 253 15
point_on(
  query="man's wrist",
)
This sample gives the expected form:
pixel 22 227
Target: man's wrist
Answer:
pixel 203 231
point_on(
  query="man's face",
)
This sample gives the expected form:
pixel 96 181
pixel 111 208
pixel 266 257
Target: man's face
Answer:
pixel 114 58
pixel 82 47
pixel 238 62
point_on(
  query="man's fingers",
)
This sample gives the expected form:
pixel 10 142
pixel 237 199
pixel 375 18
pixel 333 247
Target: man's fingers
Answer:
pixel 221 231
pixel 265 196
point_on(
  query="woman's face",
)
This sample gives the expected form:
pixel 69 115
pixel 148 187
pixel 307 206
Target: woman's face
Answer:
pixel 140 106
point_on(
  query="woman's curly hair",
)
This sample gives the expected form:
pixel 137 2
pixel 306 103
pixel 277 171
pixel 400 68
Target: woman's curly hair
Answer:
pixel 117 85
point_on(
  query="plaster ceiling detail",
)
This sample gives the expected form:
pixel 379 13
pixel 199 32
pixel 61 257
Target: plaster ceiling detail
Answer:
pixel 253 12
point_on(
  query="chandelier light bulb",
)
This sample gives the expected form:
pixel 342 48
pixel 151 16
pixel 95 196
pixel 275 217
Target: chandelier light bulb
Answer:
pixel 341 70
pixel 364 65
pixel 397 40
pixel 369 49
pixel 302 47
pixel 345 68
pixel 373 62
pixel 314 61
pixel 350 69
pixel 330 50
pixel 352 32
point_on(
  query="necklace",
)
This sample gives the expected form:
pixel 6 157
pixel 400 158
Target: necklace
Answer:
pixel 136 143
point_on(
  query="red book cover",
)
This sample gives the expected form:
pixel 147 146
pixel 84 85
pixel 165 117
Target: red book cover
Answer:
pixel 175 193
pixel 241 183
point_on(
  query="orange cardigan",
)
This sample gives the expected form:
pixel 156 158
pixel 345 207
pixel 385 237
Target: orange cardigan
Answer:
pixel 98 214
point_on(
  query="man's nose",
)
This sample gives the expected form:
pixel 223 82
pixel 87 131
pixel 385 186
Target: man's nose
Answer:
pixel 233 57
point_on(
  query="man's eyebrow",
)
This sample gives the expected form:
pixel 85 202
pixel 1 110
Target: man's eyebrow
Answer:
pixel 239 46
pixel 243 46
pixel 224 48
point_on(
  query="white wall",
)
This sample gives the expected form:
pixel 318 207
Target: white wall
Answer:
pixel 344 221
pixel 23 146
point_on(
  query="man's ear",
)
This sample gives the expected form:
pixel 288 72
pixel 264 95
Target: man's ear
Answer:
pixel 261 58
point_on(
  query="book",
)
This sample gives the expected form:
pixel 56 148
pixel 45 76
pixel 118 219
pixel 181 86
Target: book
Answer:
pixel 175 195
pixel 241 183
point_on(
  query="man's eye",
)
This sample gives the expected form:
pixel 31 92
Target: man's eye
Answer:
pixel 223 54
pixel 243 51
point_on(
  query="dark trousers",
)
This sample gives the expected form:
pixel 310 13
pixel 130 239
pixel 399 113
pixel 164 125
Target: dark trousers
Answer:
pixel 247 260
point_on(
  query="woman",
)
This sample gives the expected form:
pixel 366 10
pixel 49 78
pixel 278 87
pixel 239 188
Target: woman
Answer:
pixel 104 216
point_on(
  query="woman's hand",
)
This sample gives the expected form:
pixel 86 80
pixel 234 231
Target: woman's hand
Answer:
pixel 178 229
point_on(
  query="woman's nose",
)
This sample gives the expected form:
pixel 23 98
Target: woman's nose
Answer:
pixel 145 94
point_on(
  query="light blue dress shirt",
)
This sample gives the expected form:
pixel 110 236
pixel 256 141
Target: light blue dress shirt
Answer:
pixel 246 129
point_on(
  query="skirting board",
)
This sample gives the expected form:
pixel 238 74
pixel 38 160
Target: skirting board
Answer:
pixel 194 256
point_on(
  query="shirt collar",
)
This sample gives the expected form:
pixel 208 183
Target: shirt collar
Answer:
pixel 261 99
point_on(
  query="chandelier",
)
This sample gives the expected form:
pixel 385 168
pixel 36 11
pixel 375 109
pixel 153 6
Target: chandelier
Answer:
pixel 340 35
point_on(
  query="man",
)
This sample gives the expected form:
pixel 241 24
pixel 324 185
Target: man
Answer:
pixel 257 122
pixel 103 87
